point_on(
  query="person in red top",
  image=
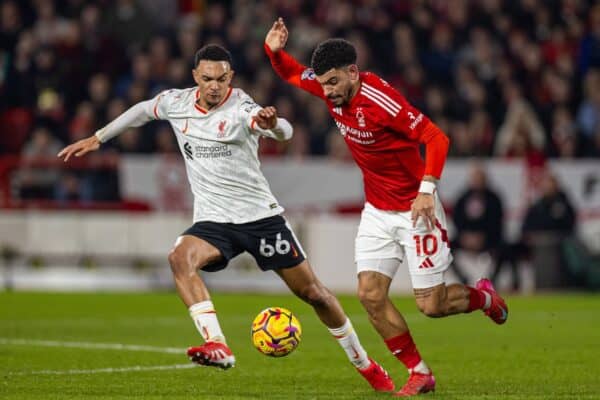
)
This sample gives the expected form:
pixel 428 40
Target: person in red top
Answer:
pixel 403 221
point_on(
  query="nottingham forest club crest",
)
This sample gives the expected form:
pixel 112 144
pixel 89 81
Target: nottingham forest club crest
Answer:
pixel 360 117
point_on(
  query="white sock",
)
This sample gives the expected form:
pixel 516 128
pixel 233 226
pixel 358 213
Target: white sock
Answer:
pixel 348 339
pixel 205 318
pixel 488 300
pixel 421 368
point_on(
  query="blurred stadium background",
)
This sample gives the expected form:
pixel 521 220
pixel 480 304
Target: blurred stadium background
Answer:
pixel 514 83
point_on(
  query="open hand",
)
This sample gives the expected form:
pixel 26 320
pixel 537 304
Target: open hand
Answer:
pixel 424 207
pixel 277 37
pixel 80 148
pixel 266 118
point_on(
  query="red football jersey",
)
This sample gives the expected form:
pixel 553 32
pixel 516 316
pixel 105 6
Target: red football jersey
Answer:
pixel 382 131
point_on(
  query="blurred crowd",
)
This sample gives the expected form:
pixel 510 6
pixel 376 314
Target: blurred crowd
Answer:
pixel 503 78
pixel 547 230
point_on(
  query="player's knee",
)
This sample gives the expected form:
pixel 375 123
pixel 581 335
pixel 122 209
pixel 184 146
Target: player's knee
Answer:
pixel 179 261
pixel 372 299
pixel 431 309
pixel 175 259
pixel 315 294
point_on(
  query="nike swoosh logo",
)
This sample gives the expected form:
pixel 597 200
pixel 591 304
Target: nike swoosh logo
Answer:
pixel 504 313
pixel 356 355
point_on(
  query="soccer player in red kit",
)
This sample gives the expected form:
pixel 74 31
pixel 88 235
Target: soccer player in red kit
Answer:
pixel 403 222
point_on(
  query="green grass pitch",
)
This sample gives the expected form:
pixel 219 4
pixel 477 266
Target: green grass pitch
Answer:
pixel 548 349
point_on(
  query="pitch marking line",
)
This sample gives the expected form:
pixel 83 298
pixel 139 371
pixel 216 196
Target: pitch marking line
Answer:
pixel 91 345
pixel 97 346
pixel 135 368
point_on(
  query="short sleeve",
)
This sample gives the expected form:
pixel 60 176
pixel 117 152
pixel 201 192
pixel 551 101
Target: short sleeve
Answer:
pixel 400 115
pixel 248 109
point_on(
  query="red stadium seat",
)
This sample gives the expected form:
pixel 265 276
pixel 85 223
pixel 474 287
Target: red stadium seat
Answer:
pixel 16 124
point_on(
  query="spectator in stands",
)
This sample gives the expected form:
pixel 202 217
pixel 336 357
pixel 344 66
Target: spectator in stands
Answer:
pixel 564 134
pixel 129 24
pixel 552 213
pixel 548 221
pixel 82 123
pixel 590 44
pixel 588 114
pixel 49 27
pixel 453 61
pixel 521 133
pixel 11 24
pixel 99 92
pixel 478 216
pixel 38 182
pixel 69 189
pixel 592 148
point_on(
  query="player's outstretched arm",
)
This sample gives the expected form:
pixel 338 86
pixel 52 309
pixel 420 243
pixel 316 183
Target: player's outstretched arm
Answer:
pixel 80 148
pixel 286 66
pixel 136 116
pixel 268 124
pixel 277 36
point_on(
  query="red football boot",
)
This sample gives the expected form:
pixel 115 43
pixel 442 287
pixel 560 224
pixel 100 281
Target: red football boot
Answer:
pixel 214 354
pixel 417 383
pixel 377 377
pixel 498 311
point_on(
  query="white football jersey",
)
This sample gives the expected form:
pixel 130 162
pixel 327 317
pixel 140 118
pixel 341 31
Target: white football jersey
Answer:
pixel 219 148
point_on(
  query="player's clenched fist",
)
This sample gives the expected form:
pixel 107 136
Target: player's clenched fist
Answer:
pixel 277 36
pixel 266 118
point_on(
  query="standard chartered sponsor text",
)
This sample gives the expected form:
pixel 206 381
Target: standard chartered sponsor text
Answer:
pixel 212 151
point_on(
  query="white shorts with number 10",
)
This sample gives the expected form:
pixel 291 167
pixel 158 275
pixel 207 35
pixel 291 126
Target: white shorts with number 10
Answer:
pixel 387 239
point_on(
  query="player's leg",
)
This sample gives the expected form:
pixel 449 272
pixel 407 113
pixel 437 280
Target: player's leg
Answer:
pixel 303 283
pixel 373 288
pixel 275 247
pixel 187 257
pixel 428 256
pixel 443 300
pixel 390 324
pixel 190 254
pixel 378 257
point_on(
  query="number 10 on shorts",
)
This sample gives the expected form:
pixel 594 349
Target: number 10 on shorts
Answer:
pixel 425 244
pixel 282 247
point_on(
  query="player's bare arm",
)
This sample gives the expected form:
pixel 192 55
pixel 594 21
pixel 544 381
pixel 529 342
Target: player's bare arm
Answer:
pixel 277 36
pixel 424 206
pixel 80 148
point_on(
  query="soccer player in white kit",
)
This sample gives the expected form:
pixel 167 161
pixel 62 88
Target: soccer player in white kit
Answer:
pixel 217 129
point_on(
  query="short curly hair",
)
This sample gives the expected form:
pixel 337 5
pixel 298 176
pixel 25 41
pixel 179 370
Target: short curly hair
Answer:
pixel 332 53
pixel 212 52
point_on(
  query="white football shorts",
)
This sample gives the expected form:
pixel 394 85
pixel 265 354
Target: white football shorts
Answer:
pixel 387 239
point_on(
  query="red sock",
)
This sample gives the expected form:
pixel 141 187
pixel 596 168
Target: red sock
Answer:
pixel 404 349
pixel 476 299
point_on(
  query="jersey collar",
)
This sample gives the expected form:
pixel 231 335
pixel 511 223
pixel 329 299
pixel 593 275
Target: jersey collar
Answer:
pixel 355 99
pixel 205 111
